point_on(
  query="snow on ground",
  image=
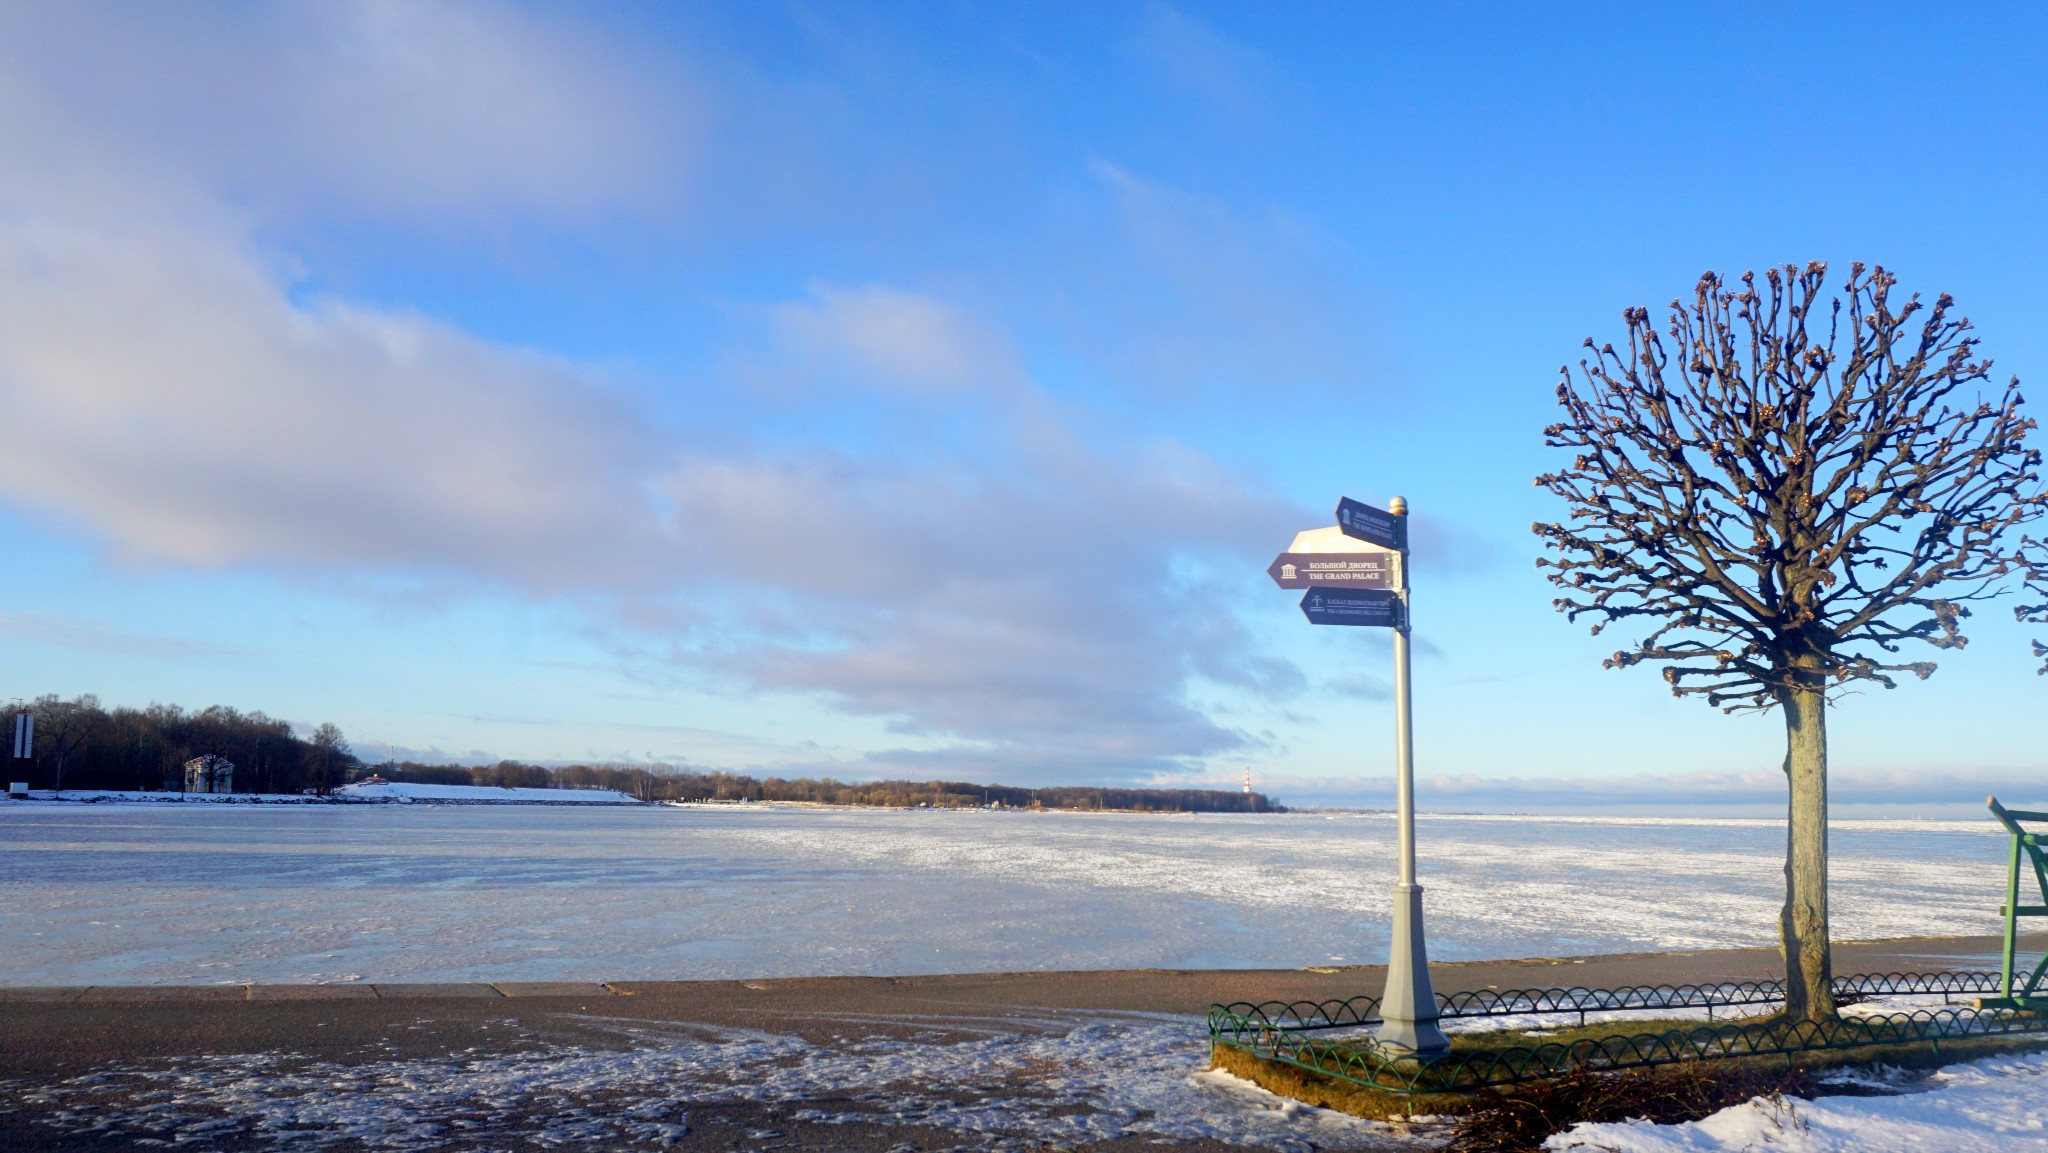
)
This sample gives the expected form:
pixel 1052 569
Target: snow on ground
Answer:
pixel 1063 1079
pixel 114 893
pixel 1060 1079
pixel 1997 1105
pixel 479 794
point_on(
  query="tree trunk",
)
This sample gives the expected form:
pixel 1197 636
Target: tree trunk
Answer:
pixel 1803 927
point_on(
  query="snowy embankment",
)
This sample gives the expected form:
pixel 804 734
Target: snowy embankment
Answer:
pixel 103 796
pixel 478 795
pixel 2000 1103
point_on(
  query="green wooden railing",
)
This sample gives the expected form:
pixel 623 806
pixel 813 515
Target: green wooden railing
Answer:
pixel 2025 845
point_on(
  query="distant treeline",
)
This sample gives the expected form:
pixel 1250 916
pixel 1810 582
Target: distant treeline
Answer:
pixel 81 745
pixel 664 783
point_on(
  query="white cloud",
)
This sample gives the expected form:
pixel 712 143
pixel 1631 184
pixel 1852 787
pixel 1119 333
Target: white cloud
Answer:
pixel 391 106
pixel 1020 587
pixel 991 568
pixel 158 386
pixel 892 341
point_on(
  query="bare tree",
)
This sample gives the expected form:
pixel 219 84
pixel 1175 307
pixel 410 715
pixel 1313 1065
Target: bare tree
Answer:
pixel 63 725
pixel 330 755
pixel 2036 554
pixel 1786 493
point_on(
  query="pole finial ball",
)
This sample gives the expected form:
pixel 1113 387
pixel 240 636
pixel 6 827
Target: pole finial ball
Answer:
pixel 1398 506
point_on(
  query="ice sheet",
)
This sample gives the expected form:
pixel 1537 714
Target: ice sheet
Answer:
pixel 116 893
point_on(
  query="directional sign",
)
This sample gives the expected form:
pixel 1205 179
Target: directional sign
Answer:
pixel 1371 524
pixel 1299 570
pixel 1352 606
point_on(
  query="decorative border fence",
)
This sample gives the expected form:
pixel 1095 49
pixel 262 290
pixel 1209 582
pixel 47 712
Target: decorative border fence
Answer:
pixel 1299 1033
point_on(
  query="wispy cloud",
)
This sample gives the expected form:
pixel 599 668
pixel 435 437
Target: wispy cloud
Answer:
pixel 883 339
pixel 458 110
pixel 165 391
pixel 993 570
pixel 79 635
pixel 1195 58
pixel 1200 293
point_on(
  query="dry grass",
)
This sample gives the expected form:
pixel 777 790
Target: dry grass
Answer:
pixel 1326 1092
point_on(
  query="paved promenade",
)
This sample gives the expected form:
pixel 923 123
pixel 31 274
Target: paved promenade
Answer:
pixel 100 1067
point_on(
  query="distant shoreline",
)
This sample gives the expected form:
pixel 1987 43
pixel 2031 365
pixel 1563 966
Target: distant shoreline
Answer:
pixel 570 800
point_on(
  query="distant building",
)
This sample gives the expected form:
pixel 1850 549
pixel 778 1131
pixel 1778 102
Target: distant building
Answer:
pixel 209 774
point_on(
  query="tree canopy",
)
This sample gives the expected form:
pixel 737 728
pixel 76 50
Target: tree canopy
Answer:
pixel 1791 488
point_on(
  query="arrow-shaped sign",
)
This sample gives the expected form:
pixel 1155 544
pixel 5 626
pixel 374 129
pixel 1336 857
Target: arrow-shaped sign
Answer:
pixel 1299 570
pixel 1352 606
pixel 1372 524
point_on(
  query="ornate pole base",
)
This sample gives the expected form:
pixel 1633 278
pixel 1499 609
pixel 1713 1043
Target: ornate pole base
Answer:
pixel 1408 1012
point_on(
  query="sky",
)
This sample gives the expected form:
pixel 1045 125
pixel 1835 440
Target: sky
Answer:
pixel 922 389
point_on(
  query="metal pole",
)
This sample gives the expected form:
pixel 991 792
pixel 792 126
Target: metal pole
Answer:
pixel 1408 1012
pixel 2012 919
pixel 1404 741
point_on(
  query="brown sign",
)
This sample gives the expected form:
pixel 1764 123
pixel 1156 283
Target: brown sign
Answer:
pixel 1299 570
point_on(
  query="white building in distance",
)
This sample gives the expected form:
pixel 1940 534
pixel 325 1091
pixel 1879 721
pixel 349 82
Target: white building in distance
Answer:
pixel 209 774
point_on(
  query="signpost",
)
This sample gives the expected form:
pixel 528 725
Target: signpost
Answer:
pixel 1299 570
pixel 1327 557
pixel 1408 1012
pixel 1387 529
pixel 1366 570
pixel 1352 606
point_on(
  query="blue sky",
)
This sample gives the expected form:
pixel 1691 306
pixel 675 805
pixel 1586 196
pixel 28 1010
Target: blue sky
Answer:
pixel 922 389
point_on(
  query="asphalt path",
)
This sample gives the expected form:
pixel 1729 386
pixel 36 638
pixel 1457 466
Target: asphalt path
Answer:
pixel 73 1060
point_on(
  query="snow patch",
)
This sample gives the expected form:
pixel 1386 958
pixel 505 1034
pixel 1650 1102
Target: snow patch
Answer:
pixel 1997 1105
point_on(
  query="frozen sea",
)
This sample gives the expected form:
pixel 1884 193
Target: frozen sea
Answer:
pixel 161 893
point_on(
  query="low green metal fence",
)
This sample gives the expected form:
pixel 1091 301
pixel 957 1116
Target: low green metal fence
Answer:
pixel 1301 1033
pixel 1364 1011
